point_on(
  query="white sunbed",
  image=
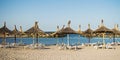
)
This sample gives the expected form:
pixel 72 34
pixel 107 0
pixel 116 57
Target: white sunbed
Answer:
pixel 75 47
pixel 109 46
pixel 4 46
pixel 96 47
pixel 1 46
pixel 34 46
pixel 93 44
pixel 12 45
pixel 118 43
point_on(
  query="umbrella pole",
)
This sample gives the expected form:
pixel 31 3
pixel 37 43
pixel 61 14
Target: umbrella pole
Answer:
pixel 21 40
pixel 15 39
pixel 79 40
pixel 103 40
pixel 68 38
pixel 4 39
pixel 89 40
pixel 37 39
pixel 33 39
pixel 57 40
pixel 62 41
pixel 114 39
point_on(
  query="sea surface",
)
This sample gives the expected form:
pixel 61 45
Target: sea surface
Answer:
pixel 74 39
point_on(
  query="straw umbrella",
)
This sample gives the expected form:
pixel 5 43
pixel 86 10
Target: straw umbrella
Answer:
pixel 21 33
pixel 88 33
pixel 58 32
pixel 56 35
pixel 68 30
pixel 103 30
pixel 4 30
pixel 35 31
pixel 115 32
pixel 15 33
pixel 80 33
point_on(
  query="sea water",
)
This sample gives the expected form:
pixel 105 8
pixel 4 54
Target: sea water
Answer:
pixel 74 39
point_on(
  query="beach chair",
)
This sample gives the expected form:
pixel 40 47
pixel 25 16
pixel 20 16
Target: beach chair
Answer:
pixel 83 44
pixel 69 47
pixel 4 46
pixel 41 46
pixel 98 46
pixel 93 44
pixel 12 45
pixel 62 47
pixel 31 46
pixel 109 46
pixel 75 47
pixel 1 46
pixel 7 46
pixel 118 43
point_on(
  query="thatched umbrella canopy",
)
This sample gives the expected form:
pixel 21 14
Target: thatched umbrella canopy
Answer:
pixel 15 32
pixel 4 30
pixel 35 31
pixel 103 30
pixel 68 30
pixel 58 32
pixel 88 33
pixel 115 31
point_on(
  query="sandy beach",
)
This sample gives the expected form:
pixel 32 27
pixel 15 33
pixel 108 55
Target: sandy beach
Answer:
pixel 53 53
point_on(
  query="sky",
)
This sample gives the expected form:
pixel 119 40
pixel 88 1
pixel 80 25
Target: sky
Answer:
pixel 50 13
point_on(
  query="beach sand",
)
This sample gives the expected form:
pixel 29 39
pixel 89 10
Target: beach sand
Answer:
pixel 53 53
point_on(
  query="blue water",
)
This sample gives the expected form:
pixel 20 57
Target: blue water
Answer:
pixel 74 38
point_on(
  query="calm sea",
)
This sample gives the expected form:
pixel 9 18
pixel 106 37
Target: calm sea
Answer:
pixel 74 39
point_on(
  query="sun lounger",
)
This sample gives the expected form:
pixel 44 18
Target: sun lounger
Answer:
pixel 83 44
pixel 75 47
pixel 35 46
pixel 109 46
pixel 118 43
pixel 40 46
pixel 4 46
pixel 1 46
pixel 69 47
pixel 62 47
pixel 97 47
pixel 93 44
